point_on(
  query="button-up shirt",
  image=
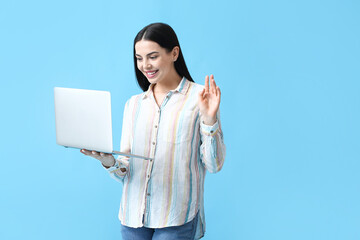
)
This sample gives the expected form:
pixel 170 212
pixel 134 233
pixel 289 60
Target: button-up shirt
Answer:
pixel 167 190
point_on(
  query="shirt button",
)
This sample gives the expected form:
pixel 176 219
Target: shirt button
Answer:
pixel 155 126
pixel 211 131
pixel 148 194
pixel 158 111
pixel 148 176
pixel 153 143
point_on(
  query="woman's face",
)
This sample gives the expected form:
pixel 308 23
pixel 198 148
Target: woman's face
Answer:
pixel 154 61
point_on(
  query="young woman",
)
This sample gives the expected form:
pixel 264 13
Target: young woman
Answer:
pixel 176 123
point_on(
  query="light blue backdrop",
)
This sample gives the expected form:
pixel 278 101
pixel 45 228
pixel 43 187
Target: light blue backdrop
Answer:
pixel 289 74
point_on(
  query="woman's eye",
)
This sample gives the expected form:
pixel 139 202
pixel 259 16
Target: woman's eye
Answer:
pixel 138 59
pixel 153 57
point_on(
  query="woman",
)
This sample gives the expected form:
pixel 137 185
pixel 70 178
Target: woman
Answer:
pixel 176 123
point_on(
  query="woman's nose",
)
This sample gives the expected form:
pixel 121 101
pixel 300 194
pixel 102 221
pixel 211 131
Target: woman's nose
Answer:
pixel 147 64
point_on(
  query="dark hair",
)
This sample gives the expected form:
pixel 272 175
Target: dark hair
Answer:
pixel 165 36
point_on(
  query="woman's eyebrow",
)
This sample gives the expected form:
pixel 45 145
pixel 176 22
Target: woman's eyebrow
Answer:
pixel 146 54
pixel 151 53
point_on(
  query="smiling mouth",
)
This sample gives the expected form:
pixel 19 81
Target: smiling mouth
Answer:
pixel 151 74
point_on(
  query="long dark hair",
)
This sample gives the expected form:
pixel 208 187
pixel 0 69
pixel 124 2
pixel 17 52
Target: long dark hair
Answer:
pixel 165 36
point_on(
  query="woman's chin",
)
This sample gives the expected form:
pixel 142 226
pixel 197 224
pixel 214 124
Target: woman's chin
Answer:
pixel 153 80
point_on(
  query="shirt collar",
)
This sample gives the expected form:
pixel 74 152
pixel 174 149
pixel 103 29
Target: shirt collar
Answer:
pixel 181 88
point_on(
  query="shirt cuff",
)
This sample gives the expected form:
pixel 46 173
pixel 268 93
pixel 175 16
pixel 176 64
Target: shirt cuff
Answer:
pixel 209 130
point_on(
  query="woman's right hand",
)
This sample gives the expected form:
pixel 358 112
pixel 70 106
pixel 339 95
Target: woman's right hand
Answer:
pixel 107 159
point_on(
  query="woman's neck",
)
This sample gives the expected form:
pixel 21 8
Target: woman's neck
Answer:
pixel 166 86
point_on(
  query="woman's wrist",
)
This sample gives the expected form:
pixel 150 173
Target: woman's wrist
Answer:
pixel 209 120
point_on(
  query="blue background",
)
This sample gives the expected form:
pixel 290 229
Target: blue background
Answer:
pixel 289 74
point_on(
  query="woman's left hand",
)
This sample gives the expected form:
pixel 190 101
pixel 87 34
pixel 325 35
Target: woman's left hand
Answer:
pixel 209 101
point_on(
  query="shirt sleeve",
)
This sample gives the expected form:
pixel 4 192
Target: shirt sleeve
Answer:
pixel 212 148
pixel 120 169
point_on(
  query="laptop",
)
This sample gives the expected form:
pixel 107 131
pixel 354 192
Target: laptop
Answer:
pixel 83 120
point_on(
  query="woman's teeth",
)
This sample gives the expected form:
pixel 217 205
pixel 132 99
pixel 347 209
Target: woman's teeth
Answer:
pixel 151 74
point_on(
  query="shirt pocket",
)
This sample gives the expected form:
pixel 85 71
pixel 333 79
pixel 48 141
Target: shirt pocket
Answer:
pixel 182 130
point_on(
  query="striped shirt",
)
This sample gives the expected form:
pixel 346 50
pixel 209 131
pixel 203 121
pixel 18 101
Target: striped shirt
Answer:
pixel 168 190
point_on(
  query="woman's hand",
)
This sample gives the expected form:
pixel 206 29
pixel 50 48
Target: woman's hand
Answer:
pixel 106 159
pixel 209 101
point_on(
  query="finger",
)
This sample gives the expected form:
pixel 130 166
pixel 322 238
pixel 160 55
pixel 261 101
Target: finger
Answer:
pixel 84 151
pixel 218 92
pixel 213 79
pixel 102 154
pixel 202 95
pixel 212 84
pixel 207 83
pixel 95 153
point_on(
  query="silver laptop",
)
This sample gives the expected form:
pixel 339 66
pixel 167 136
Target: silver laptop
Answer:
pixel 83 120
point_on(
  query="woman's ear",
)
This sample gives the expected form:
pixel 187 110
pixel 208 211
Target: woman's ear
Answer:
pixel 175 53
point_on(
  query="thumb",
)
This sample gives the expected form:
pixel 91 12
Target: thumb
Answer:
pixel 201 94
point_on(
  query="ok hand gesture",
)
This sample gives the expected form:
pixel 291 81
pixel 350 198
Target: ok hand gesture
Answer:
pixel 209 101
